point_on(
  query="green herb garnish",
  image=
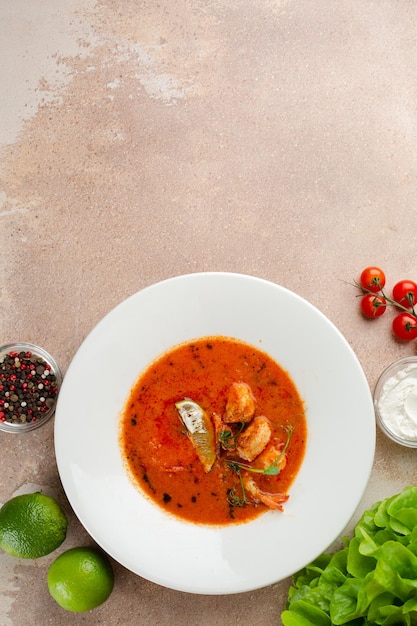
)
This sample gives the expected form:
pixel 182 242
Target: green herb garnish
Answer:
pixel 233 498
pixel 228 438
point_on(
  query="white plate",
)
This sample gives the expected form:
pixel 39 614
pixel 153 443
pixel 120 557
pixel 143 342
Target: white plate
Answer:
pixel 327 490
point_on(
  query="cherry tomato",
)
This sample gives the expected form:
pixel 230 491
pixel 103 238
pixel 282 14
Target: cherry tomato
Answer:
pixel 372 305
pixel 373 279
pixel 405 293
pixel 404 326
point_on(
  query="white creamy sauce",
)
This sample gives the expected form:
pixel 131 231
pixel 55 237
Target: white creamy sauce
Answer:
pixel 398 403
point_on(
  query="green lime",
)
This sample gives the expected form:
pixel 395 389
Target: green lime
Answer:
pixel 31 525
pixel 80 579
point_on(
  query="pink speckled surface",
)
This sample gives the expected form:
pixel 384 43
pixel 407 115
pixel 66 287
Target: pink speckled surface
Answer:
pixel 142 140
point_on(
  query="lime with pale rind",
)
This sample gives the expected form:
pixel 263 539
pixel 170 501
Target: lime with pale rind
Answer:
pixel 31 525
pixel 80 579
pixel 200 430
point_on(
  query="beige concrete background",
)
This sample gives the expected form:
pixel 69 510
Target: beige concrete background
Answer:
pixel 141 140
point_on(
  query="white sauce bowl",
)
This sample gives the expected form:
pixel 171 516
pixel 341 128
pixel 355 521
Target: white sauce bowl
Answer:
pixel 395 401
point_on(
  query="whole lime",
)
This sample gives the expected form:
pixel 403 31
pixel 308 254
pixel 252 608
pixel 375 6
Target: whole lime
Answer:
pixel 80 579
pixel 31 525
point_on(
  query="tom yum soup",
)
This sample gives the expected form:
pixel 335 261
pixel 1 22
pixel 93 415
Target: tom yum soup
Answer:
pixel 214 432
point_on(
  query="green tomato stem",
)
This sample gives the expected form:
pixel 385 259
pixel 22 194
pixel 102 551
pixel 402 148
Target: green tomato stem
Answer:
pixel 389 301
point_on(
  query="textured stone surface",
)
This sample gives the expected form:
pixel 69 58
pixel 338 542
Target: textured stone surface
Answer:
pixel 141 140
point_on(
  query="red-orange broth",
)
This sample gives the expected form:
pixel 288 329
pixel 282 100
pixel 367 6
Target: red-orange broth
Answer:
pixel 159 455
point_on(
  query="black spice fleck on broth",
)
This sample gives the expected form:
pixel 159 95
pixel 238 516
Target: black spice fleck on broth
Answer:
pixel 148 482
pixel 166 498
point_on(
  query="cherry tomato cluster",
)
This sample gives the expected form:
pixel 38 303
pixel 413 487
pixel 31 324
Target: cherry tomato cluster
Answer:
pixel 374 302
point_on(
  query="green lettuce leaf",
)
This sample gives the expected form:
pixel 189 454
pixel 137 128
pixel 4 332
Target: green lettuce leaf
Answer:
pixel 396 570
pixel 371 581
pixel 344 603
pixel 305 613
pixel 358 564
pixel 403 510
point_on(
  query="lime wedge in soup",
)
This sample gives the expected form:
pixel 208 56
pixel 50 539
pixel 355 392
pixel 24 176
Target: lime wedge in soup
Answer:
pixel 200 430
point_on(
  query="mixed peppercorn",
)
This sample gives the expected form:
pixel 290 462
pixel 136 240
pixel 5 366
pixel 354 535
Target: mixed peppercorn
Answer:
pixel 28 387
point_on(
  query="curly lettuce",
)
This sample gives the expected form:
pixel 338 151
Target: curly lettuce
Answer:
pixel 371 581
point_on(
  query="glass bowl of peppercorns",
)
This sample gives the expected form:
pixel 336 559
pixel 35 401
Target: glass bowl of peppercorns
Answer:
pixel 30 380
